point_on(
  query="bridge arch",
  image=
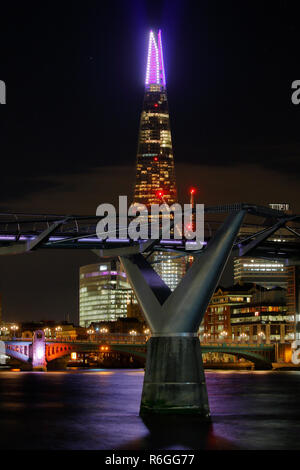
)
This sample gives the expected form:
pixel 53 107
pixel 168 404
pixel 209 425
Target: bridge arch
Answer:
pixel 260 360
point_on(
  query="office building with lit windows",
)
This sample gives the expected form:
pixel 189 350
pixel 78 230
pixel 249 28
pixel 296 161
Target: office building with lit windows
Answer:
pixel 216 324
pixel 248 313
pixel 293 297
pixel 267 273
pixel 265 319
pixel 104 292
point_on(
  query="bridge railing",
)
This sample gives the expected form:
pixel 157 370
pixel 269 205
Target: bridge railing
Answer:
pixel 237 344
pixel 105 338
pixel 124 338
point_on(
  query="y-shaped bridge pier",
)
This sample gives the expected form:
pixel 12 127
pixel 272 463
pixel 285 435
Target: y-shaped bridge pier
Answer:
pixel 174 377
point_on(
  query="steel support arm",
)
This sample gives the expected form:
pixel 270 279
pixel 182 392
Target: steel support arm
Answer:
pixel 243 250
pixel 182 310
pixel 20 248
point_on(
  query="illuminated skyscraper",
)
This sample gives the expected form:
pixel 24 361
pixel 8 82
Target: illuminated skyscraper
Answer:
pixel 155 163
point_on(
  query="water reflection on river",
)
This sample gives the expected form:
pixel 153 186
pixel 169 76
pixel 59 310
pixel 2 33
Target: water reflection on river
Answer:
pixel 98 409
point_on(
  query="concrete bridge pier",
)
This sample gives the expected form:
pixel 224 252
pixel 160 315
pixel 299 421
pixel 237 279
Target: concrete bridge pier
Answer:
pixel 174 381
pixel 39 362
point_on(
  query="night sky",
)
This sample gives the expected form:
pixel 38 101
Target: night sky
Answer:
pixel 75 74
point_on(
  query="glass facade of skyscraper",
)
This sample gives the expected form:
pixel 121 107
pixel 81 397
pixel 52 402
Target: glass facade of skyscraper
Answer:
pixel 104 292
pixel 169 267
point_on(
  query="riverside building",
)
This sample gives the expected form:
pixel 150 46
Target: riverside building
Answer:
pixel 104 292
pixel 216 324
pixel 265 319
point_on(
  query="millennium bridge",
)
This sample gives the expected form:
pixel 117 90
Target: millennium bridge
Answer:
pixel 174 381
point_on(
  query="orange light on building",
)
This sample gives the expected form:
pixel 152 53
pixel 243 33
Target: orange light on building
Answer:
pixel 73 356
pixel 287 353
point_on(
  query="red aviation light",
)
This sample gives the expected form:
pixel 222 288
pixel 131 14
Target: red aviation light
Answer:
pixel 192 190
pixel 155 159
pixel 159 194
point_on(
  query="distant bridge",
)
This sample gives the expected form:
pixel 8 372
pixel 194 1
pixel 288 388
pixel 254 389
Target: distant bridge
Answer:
pixel 262 355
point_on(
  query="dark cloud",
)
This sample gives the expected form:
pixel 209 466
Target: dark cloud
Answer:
pixel 20 188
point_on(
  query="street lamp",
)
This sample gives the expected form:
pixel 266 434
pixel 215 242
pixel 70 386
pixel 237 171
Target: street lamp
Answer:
pixel 47 332
pixel 4 329
pixel 132 332
pixel 244 337
pixel 224 334
pixel 14 328
pixel 103 330
pixel 58 329
pixel 206 336
pixel 261 335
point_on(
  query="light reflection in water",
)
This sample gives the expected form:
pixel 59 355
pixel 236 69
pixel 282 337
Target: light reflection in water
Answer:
pixel 99 409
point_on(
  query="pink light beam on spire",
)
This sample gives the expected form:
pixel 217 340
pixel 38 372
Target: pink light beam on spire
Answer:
pixel 155 73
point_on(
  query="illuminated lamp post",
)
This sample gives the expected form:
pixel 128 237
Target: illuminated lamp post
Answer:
pixel 261 336
pixel 14 328
pixel 103 330
pixel 47 332
pixel 4 330
pixel 147 332
pixel 243 337
pixel 223 335
pixel 58 329
pixel 90 332
pixel 206 337
pixel 132 332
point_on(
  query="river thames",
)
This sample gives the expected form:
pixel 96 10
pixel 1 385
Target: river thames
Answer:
pixel 97 409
